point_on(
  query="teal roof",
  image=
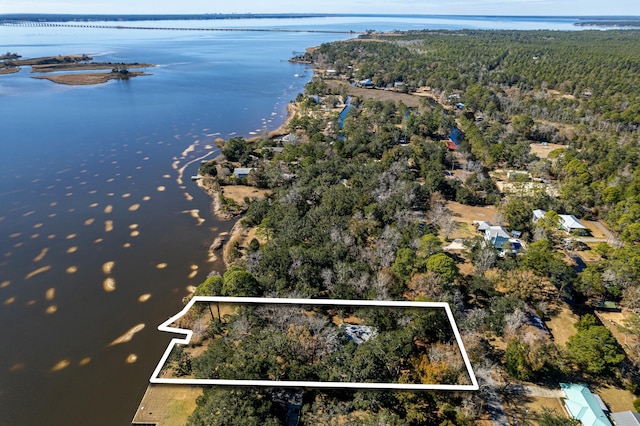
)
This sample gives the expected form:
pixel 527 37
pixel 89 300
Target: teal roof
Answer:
pixel 583 405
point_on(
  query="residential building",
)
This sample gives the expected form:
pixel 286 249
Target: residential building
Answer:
pixel 242 172
pixel 626 418
pixel 568 222
pixel 584 406
pixel 496 235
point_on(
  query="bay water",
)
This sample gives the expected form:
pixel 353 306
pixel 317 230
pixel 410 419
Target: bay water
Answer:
pixel 101 230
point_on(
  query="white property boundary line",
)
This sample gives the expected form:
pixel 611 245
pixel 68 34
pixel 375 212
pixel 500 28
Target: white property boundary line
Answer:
pixel 166 326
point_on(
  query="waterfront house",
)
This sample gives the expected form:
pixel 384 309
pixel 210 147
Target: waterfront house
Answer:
pixel 289 139
pixel 242 172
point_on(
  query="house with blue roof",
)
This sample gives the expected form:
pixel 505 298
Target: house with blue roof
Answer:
pixel 456 136
pixel 496 235
pixel 584 406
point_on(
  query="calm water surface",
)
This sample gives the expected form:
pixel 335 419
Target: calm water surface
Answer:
pixel 101 231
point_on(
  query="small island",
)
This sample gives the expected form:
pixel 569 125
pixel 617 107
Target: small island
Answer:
pixel 81 67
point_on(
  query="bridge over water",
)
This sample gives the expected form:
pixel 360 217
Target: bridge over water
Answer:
pixel 18 23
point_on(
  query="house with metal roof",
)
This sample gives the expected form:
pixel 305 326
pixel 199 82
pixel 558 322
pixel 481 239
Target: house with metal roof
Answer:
pixel 626 418
pixel 584 406
pixel 242 172
pixel 482 225
pixel 358 333
pixel 496 235
pixel 568 222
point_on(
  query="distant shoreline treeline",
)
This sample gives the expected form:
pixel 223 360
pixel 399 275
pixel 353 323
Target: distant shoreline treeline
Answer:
pixel 43 17
pixel 610 23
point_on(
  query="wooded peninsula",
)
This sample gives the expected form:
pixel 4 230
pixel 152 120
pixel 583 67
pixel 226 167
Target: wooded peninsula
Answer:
pixel 497 171
pixel 11 63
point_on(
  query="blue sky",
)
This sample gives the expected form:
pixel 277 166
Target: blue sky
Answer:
pixel 447 7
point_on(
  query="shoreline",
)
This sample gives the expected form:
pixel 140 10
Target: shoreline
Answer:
pixel 6 70
pixel 223 242
pixel 215 191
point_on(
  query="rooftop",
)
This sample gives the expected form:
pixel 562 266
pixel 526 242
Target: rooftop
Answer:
pixel 583 405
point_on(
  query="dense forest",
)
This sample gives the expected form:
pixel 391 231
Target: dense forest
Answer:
pixel 360 207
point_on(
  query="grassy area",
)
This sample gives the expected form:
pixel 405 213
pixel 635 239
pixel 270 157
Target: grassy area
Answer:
pixel 239 192
pixel 526 410
pixel 542 151
pixel 167 405
pixel 616 399
pixel 383 95
pixel 561 325
pixel 465 215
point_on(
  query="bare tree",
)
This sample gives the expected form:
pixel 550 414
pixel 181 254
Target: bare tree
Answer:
pixel 381 284
pixel 473 320
pixel 485 258
pixel 439 215
pixel 387 245
pixel 360 284
pixel 513 321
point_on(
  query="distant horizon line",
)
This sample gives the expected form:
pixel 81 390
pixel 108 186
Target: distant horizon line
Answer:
pixel 24 15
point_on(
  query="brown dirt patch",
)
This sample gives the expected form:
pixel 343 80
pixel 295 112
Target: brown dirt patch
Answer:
pixel 167 405
pixel 543 151
pixel 561 325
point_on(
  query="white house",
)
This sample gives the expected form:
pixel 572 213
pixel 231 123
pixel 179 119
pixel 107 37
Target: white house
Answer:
pixel 568 222
pixel 482 225
pixel 571 223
